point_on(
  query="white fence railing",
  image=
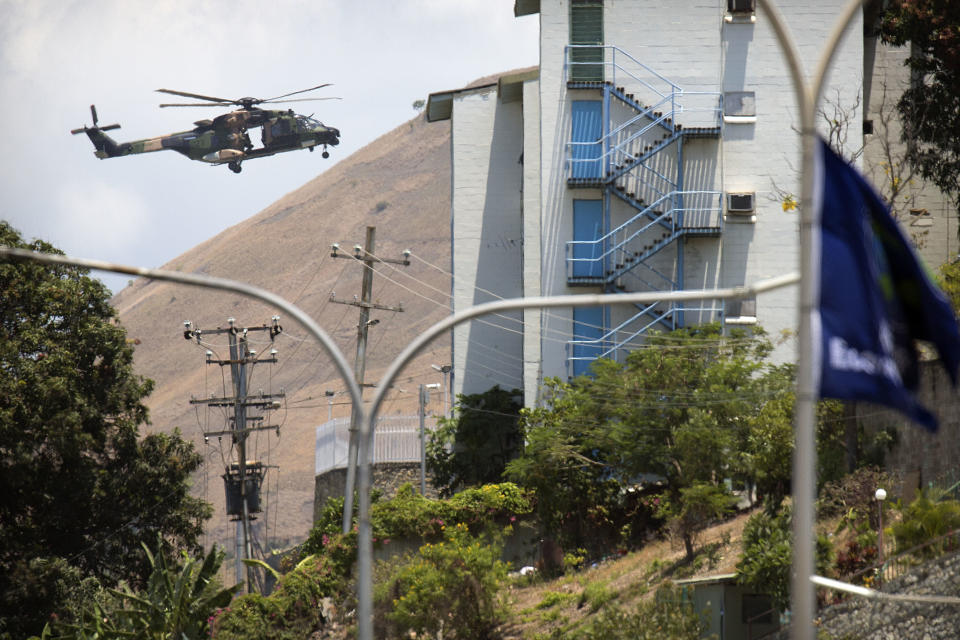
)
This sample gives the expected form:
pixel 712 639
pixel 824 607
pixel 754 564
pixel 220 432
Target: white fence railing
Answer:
pixel 396 439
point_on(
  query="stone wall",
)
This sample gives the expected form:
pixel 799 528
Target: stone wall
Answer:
pixel 387 477
pixel 884 620
pixel 920 457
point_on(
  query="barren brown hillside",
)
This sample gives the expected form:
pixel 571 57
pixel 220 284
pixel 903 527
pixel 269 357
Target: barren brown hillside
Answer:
pixel 399 184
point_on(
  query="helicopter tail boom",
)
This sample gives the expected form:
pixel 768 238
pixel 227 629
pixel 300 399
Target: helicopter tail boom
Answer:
pixel 105 145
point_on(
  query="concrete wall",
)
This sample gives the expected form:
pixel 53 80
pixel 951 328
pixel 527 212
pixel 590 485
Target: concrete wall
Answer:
pixel 925 214
pixel 920 457
pixel 512 209
pixel 387 477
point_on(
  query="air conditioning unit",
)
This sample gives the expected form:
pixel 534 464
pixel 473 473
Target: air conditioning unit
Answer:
pixel 740 203
pixel 741 6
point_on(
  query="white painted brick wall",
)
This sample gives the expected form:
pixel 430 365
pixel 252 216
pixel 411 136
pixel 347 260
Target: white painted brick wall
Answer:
pixel 690 44
pixel 487 238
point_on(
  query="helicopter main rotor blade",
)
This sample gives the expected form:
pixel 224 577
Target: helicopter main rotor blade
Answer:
pixel 300 100
pixel 197 104
pixel 319 86
pixel 198 96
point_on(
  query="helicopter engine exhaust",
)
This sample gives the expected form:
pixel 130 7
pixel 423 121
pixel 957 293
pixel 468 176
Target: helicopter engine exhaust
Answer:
pixel 223 155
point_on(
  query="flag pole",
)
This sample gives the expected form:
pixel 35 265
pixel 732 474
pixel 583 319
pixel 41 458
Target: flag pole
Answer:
pixel 802 601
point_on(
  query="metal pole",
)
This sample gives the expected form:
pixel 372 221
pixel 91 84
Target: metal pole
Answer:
pixel 880 495
pixel 359 367
pixel 423 444
pixel 802 597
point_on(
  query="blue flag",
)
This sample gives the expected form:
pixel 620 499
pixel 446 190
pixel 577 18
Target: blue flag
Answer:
pixel 875 299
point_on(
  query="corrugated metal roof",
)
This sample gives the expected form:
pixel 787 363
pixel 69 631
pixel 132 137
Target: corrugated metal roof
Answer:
pixel 440 104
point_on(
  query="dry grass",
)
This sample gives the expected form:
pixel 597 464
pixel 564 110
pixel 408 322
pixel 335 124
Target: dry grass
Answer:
pixel 543 606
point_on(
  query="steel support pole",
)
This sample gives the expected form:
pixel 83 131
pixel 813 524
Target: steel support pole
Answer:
pixel 802 600
pixel 423 442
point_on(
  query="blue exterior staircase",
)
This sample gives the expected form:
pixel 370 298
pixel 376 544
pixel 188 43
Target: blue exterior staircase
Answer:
pixel 639 122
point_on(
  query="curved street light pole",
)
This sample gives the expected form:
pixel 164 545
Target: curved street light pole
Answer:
pixel 802 601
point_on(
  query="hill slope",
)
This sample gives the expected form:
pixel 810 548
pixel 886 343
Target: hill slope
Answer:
pixel 399 184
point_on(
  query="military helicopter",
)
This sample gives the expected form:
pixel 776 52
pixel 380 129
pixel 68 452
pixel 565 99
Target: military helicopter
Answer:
pixel 226 139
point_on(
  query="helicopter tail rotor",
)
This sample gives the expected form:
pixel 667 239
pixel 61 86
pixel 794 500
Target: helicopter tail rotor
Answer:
pixel 93 115
pixel 105 146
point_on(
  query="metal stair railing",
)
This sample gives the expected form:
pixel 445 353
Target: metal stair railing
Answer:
pixel 638 83
pixel 642 181
pixel 616 248
pixel 651 313
pixel 606 343
pixel 619 69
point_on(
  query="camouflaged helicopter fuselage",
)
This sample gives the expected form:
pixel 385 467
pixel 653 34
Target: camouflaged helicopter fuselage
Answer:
pixel 226 138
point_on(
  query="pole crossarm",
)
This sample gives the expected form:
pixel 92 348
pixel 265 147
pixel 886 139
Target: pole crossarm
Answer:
pixel 365 305
pixel 266 403
pixel 235 432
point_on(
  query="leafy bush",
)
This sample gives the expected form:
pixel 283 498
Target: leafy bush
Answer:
pixel 450 587
pixel 177 602
pixel 292 611
pixel 411 515
pixel 853 495
pixel 596 595
pixel 855 557
pixel 767 555
pixel 931 515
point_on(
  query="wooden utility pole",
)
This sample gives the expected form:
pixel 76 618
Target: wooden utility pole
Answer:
pixel 366 255
pixel 243 478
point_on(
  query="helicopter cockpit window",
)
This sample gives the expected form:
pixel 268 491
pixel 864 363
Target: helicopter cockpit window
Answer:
pixel 308 123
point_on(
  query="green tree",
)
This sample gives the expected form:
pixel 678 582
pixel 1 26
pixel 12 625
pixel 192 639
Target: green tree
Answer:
pixel 677 410
pixel 930 108
pixel 695 507
pixel 473 447
pixel 82 490
pixel 564 462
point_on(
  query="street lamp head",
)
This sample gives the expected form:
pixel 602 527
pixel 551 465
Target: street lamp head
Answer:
pixel 880 495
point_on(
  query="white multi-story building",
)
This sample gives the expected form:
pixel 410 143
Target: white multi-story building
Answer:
pixel 653 149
